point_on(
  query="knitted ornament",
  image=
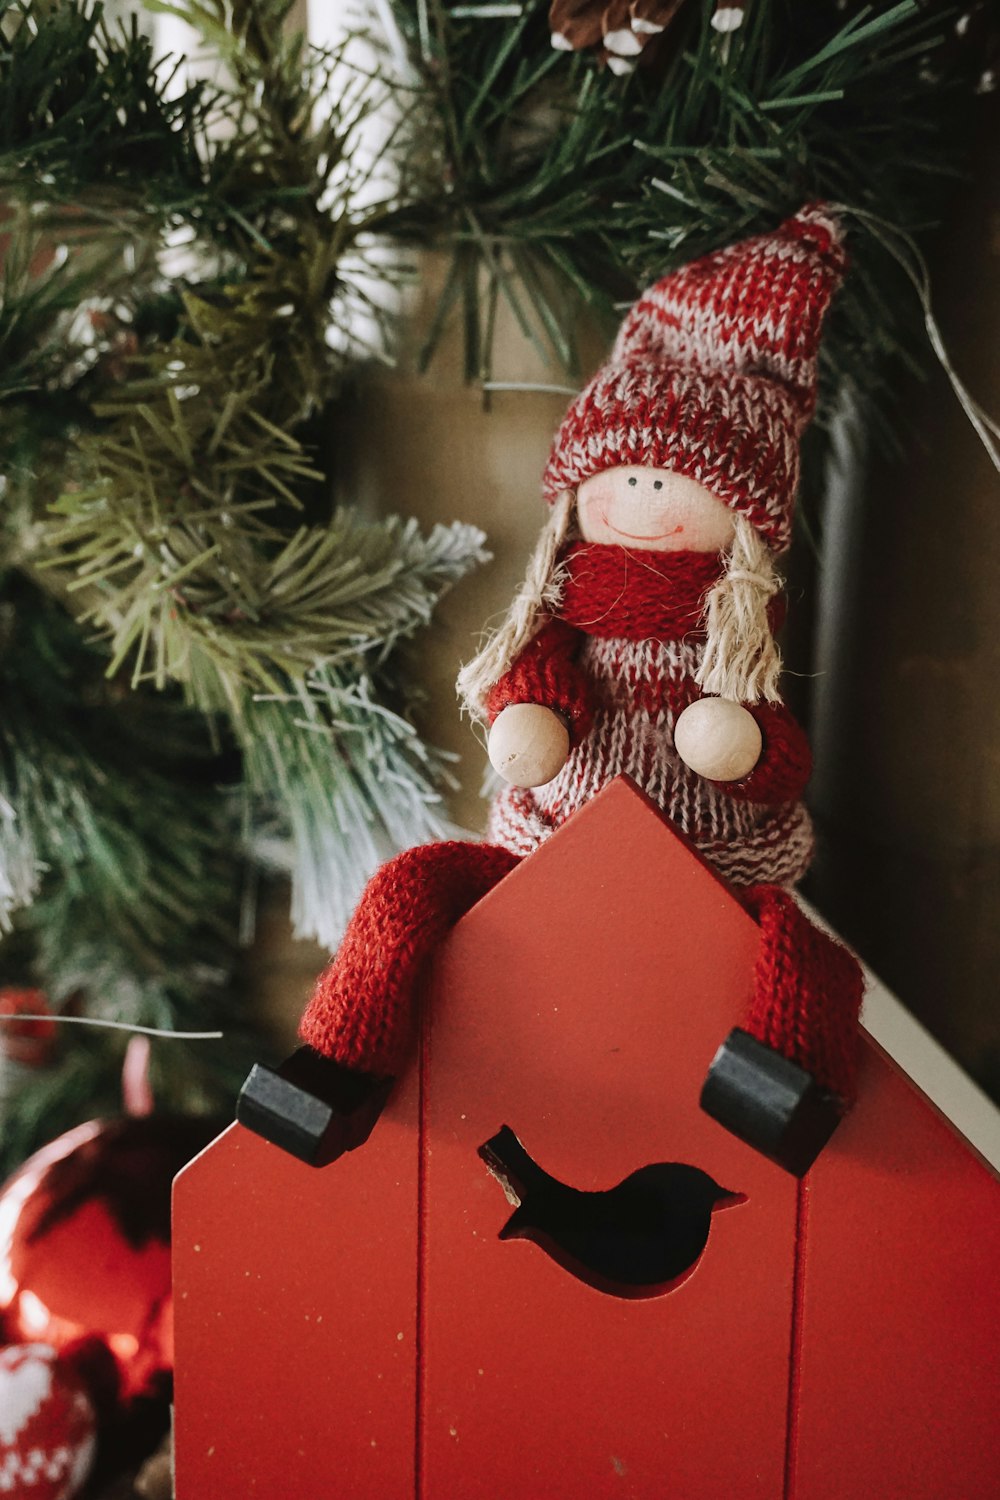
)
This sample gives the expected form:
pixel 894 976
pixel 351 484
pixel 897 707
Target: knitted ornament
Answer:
pixel 48 1426
pixel 713 375
pixel 630 619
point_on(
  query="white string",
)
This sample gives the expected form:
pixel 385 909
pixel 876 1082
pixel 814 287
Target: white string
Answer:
pixel 895 240
pixel 187 1036
pixel 530 385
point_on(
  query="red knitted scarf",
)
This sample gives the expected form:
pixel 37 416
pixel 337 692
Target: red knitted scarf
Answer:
pixel 628 593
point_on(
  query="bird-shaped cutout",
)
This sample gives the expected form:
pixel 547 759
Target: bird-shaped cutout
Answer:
pixel 641 1238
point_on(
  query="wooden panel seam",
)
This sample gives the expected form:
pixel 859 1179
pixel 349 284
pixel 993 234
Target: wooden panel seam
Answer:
pixel 795 1338
pixel 423 1047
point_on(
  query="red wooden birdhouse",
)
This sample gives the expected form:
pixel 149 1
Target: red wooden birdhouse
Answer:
pixel 392 1326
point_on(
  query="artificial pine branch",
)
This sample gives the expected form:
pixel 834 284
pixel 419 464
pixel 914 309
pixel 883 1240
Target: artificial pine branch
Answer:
pixel 119 881
pixel 567 184
pixel 85 111
pixel 352 782
pixel 177 528
pixel 93 776
pixel 351 776
pixel 179 310
pixel 179 503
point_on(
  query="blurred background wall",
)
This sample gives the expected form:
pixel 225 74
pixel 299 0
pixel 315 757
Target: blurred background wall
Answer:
pixel 906 701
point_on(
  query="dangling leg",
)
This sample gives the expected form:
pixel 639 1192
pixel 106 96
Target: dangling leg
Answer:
pixel 785 1079
pixel 326 1098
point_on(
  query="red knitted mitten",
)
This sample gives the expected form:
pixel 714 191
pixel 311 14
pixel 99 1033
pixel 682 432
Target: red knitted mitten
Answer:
pixel 807 993
pixel 360 1011
pixel 785 763
pixel 545 672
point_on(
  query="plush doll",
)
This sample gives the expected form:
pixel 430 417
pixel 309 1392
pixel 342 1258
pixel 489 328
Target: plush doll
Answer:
pixel 641 643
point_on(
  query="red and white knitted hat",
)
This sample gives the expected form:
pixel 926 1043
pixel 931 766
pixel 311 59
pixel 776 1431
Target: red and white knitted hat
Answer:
pixel 713 374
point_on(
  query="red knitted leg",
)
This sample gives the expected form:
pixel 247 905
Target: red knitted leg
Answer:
pixel 807 993
pixel 359 1013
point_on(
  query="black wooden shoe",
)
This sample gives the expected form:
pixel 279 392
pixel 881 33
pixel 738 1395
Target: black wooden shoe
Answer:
pixel 769 1102
pixel 311 1106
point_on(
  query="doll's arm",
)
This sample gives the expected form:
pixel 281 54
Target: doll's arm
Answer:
pixel 785 762
pixel 539 709
pixel 546 673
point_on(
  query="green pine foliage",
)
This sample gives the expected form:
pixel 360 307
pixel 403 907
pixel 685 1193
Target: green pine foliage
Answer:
pixel 198 673
pixel 120 887
pixel 569 186
pixel 187 520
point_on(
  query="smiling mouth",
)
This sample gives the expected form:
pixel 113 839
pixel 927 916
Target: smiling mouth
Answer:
pixel 633 536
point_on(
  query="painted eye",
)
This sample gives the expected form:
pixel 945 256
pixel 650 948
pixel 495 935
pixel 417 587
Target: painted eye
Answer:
pixel 657 484
pixel 633 482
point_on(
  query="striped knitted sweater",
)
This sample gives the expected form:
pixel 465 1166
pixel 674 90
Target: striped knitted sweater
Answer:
pixel 619 663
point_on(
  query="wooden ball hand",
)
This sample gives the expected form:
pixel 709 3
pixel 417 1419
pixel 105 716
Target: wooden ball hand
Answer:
pixel 528 744
pixel 718 739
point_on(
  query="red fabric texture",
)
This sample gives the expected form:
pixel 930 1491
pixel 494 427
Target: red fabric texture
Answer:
pixel 807 993
pixel 546 672
pixel 785 763
pixel 627 593
pixel 361 1009
pixel 630 593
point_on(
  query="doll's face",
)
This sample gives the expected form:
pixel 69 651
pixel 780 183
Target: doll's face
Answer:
pixel 653 509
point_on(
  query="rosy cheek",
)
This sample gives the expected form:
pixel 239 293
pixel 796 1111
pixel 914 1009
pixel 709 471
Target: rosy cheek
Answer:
pixel 594 512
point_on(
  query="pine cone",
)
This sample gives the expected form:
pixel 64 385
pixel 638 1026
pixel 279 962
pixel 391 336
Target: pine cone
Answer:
pixel 620 31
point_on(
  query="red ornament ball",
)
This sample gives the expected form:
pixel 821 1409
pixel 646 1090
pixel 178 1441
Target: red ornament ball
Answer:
pixel 48 1428
pixel 85 1243
pixel 28 1042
